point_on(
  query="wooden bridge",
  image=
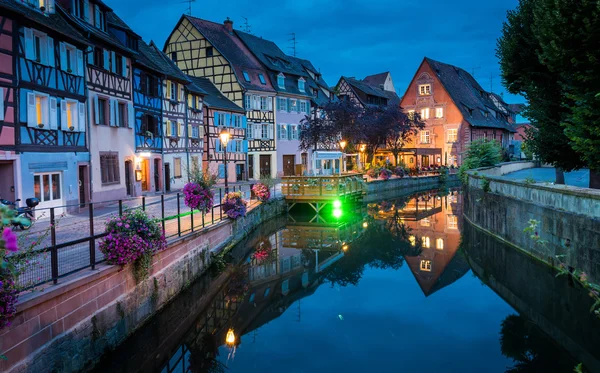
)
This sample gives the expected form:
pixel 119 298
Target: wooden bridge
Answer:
pixel 321 188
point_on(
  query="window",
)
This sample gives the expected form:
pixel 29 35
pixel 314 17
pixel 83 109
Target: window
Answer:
pixel 261 77
pixel 195 132
pixel 102 105
pixel 237 146
pixel 452 222
pixel 265 131
pixel 174 56
pixel 173 128
pixel 149 125
pixel 439 112
pixel 47 186
pixel 303 107
pixel 246 76
pixel 412 240
pixel 452 135
pixel 425 113
pixel 424 89
pixel 439 244
pixel 177 168
pixel 209 51
pixel 263 103
pixel 293 105
pixel 99 17
pixel 301 85
pixel 98 57
pixel 283 132
pixel 425 137
pixel 173 91
pixel 122 114
pixel 281 81
pixel 426 265
pixel 237 121
pixel 250 131
pixel 293 132
pixel 70 116
pixel 426 242
pixel 248 102
pixel 282 104
pixel 82 9
pixel 39 47
pixel 38 110
pixel 68 58
pixel 118 64
pixel 109 167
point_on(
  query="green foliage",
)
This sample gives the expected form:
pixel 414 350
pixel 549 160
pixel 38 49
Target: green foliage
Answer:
pixel 443 175
pixel 267 180
pixel 485 184
pixel 529 180
pixel 141 267
pixel 480 153
pixel 204 179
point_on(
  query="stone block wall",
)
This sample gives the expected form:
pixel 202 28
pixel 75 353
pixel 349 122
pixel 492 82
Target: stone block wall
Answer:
pixel 377 190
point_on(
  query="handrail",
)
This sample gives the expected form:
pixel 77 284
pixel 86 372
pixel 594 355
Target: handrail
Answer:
pixel 322 185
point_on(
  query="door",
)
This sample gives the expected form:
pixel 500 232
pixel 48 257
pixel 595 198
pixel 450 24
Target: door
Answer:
pixel 128 165
pixel 265 165
pixel 145 186
pixel 239 172
pixel 157 175
pixel 288 165
pixel 424 161
pixel 167 177
pixel 251 166
pixel 82 185
pixel 47 187
pixel 7 175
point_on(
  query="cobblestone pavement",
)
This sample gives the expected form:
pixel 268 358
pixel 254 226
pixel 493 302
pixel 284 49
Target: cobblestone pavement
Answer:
pixel 75 227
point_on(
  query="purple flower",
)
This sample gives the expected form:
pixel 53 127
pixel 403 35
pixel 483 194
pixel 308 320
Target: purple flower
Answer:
pixel 10 240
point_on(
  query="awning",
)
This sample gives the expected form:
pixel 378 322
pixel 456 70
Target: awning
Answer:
pixel 327 155
pixel 423 151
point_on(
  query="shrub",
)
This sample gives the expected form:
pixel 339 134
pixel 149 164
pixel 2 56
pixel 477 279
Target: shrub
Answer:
pixel 399 171
pixel 373 172
pixel 443 175
pixel 234 205
pixel 385 174
pixel 262 192
pixel 481 153
pixel 131 238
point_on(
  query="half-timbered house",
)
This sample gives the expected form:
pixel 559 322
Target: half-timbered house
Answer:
pixel 206 49
pixel 222 113
pixel 50 131
pixel 456 110
pixel 109 85
pixel 292 103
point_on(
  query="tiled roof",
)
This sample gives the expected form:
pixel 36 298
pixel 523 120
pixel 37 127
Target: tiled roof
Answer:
pixel 234 50
pixel 213 97
pixel 315 81
pixel 165 64
pixel 102 36
pixel 55 22
pixel 470 98
pixel 376 80
pixel 145 57
pixel 372 90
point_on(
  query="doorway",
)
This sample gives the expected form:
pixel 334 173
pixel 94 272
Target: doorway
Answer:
pixel 288 165
pixel 251 166
pixel 167 177
pixel 7 175
pixel 128 166
pixel 239 172
pixel 157 175
pixel 424 161
pixel 265 165
pixel 145 183
pixel 82 181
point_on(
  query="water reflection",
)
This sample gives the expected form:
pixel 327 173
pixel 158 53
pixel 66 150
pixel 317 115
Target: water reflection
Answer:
pixel 245 318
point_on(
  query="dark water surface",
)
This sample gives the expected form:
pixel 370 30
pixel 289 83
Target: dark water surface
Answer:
pixel 393 287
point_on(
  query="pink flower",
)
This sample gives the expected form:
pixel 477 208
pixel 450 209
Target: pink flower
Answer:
pixel 10 240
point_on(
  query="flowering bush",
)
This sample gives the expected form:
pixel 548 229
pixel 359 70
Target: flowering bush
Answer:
pixel 373 172
pixel 131 237
pixel 198 197
pixel 385 174
pixel 234 205
pixel 262 192
pixel 399 171
pixel 8 289
pixel 263 251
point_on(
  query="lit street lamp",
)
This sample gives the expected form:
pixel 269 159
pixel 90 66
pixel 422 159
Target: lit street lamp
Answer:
pixel 224 136
pixel 362 149
pixel 230 338
pixel 343 144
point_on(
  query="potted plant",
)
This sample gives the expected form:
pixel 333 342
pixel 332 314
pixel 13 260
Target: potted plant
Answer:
pixel 262 192
pixel 385 174
pixel 197 192
pixel 71 128
pixel 234 205
pixel 40 125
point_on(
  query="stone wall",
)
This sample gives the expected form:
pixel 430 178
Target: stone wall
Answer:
pixel 569 218
pixel 377 190
pixel 76 321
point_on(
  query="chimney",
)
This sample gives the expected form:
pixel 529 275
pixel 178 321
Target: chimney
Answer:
pixel 228 25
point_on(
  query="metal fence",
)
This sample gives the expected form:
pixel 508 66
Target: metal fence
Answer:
pixel 71 243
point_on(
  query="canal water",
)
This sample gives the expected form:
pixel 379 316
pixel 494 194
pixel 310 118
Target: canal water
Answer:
pixel 403 285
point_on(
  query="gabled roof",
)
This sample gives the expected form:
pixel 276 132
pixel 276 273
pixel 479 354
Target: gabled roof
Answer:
pixel 314 80
pixel 165 64
pixel 145 57
pixel 470 98
pixel 373 90
pixel 234 50
pixel 376 80
pixel 213 97
pixel 55 21
pixel 102 36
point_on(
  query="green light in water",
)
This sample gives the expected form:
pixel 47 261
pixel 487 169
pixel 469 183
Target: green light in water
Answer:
pixel 337 213
pixel 337 204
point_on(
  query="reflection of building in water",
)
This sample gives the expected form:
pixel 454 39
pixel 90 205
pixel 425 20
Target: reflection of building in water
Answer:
pixel 433 223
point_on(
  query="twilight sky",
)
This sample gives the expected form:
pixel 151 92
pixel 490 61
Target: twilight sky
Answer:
pixel 352 37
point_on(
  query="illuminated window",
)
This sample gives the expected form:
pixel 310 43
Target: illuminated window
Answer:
pixel 426 242
pixel 426 265
pixel 425 113
pixel 452 222
pixel 425 222
pixel 71 114
pixel 425 137
pixel 424 89
pixel 439 244
pixel 412 240
pixel 452 135
pixel 439 112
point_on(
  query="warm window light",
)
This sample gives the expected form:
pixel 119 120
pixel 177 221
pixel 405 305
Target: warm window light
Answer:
pixel 363 147
pixel 145 155
pixel 230 338
pixel 224 136
pixel 343 144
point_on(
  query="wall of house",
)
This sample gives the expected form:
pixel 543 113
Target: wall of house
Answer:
pixel 7 130
pixel 288 147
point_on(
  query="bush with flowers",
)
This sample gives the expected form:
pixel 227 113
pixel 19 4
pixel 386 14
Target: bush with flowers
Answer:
pixel 262 192
pixel 197 193
pixel 385 174
pixel 234 205
pixel 132 238
pixel 263 250
pixel 8 289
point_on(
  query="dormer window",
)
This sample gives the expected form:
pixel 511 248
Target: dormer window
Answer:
pixel 99 18
pixel 424 89
pixel 261 77
pixel 246 76
pixel 45 6
pixel 281 81
pixel 301 84
pixel 209 51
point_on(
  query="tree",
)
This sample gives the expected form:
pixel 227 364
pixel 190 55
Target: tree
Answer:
pixel 524 73
pixel 481 153
pixel 337 120
pixel 403 128
pixel 568 33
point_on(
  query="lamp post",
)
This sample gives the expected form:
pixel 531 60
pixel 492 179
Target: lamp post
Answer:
pixel 224 136
pixel 342 146
pixel 362 149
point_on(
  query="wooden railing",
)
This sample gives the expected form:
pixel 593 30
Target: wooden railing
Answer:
pixel 323 187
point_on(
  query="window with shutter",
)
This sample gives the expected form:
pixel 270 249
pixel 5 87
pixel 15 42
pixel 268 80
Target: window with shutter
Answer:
pixel 81 123
pixel 109 168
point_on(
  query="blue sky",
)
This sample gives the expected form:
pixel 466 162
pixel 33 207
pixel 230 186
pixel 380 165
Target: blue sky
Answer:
pixel 353 37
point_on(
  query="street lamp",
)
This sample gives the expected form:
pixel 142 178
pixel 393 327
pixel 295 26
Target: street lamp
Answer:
pixel 343 144
pixel 362 149
pixel 230 338
pixel 224 136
